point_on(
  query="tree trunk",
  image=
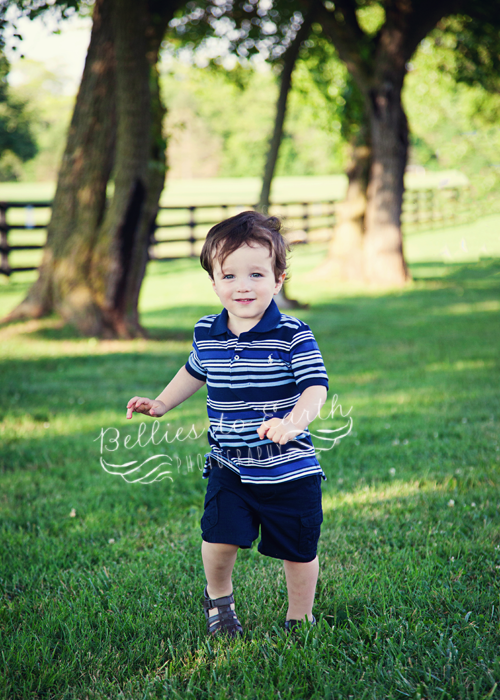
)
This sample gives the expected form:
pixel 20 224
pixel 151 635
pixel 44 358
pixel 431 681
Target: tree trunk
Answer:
pixel 289 60
pixel 80 198
pixel 345 255
pixel 120 256
pixel 378 67
pixel 94 279
pixel 384 262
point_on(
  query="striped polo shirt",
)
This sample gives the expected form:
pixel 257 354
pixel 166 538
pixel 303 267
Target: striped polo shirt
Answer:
pixel 253 377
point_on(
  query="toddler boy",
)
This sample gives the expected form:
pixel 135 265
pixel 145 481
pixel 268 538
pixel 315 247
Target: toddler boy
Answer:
pixel 266 382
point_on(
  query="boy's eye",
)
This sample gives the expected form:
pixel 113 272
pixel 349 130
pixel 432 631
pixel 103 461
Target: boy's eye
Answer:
pixel 227 277
pixel 256 274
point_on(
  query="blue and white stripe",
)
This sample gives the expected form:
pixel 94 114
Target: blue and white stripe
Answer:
pixel 251 378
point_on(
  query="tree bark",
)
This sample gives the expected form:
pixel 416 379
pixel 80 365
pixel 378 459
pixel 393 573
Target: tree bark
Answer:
pixel 378 66
pixel 80 198
pixel 120 256
pixel 92 275
pixel 383 257
pixel 345 255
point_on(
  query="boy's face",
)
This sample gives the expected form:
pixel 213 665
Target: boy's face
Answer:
pixel 246 285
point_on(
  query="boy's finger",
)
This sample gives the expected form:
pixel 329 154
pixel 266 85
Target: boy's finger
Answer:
pixel 273 434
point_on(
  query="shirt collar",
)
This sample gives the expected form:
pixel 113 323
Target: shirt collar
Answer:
pixel 269 320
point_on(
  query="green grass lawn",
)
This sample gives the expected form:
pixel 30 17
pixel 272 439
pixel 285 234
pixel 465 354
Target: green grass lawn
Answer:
pixel 101 580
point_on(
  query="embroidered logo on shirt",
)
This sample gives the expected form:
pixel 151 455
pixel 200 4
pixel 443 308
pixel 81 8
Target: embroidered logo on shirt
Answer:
pixel 270 359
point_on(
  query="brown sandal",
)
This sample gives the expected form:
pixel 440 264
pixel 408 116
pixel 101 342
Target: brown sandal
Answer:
pixel 225 621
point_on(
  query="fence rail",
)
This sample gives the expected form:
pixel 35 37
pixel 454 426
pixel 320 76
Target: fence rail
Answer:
pixel 179 231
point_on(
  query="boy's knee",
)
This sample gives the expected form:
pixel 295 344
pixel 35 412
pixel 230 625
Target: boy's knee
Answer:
pixel 298 565
pixel 219 548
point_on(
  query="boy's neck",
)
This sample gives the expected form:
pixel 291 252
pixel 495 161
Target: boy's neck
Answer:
pixel 238 326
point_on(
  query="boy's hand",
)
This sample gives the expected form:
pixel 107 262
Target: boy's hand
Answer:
pixel 149 407
pixel 279 430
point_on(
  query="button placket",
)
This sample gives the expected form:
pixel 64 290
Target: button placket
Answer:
pixel 236 351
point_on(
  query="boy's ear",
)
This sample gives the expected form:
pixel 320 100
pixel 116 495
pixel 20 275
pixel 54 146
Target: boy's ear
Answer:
pixel 280 281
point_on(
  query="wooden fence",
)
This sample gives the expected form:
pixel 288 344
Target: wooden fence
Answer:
pixel 179 232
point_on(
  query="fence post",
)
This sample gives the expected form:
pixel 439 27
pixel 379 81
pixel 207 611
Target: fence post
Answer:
pixel 305 218
pixel 415 207
pixel 192 224
pixel 4 243
pixel 30 218
pixel 333 215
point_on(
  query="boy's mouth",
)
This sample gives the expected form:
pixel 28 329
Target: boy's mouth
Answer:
pixel 244 301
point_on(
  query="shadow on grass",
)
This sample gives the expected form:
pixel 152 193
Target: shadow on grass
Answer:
pixel 487 266
pixel 178 325
pixel 412 340
pixel 161 333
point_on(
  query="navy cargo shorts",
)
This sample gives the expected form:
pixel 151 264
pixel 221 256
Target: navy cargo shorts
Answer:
pixel 289 514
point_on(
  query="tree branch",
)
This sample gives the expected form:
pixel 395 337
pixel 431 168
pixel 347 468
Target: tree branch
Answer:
pixel 289 59
pixel 344 32
pixel 425 16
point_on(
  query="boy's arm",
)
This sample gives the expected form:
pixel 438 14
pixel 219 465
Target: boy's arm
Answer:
pixel 307 408
pixel 182 386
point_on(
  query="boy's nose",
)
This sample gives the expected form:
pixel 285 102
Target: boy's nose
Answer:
pixel 244 286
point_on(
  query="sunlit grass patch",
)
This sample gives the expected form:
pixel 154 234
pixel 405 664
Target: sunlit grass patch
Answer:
pixel 101 580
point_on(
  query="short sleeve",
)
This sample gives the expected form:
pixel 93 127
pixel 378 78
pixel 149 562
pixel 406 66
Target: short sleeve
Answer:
pixel 194 366
pixel 307 363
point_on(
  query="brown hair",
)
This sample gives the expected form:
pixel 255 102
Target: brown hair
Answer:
pixel 243 229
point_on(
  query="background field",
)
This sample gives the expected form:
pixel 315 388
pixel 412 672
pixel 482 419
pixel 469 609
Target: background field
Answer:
pixel 101 581
pixel 429 203
pixel 240 190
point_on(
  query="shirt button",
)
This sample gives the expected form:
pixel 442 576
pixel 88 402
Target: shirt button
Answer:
pixel 236 357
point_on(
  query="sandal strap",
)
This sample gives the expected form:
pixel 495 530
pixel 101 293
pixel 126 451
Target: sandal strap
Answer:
pixel 217 602
pixel 225 619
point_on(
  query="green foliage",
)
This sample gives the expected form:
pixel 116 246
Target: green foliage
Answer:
pixel 220 120
pixel 247 29
pixel 65 8
pixel 101 582
pixel 343 106
pixel 453 125
pixel 17 140
pixel 371 16
pixel 49 115
pixel 475 42
pixel 218 128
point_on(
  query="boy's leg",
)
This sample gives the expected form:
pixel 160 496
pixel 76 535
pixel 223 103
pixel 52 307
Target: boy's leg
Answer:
pixel 218 562
pixel 301 579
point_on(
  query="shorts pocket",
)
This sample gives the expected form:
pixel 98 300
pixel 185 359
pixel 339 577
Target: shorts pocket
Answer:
pixel 210 516
pixel 310 528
